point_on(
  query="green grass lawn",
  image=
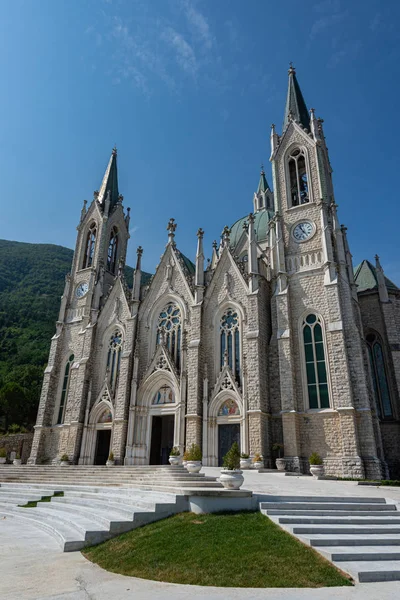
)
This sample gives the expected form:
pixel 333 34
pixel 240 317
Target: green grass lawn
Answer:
pixel 233 549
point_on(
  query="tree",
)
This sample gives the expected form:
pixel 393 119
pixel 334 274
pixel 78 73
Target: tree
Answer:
pixel 14 407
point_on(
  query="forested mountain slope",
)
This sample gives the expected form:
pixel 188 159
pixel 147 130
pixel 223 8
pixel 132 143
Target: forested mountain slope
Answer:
pixel 31 282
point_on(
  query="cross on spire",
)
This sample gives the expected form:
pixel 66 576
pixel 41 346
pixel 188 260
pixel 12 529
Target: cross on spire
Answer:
pixel 171 227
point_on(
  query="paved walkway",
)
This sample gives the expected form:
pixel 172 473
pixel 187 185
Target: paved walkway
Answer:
pixel 34 568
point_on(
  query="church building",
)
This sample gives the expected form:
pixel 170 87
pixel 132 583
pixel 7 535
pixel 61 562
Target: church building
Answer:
pixel 277 340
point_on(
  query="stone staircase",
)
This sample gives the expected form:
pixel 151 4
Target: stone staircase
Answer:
pixel 87 515
pixel 156 478
pixel 98 502
pixel 361 536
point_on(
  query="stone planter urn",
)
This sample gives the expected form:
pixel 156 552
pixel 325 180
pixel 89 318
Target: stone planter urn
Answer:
pixel 245 463
pixel 2 460
pixel 17 462
pixel 317 470
pixel 280 464
pixel 64 463
pixel 231 479
pixel 194 466
pixel 110 463
pixel 174 461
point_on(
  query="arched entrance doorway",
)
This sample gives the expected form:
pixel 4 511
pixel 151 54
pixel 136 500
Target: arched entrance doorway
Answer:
pixel 162 425
pixel 103 437
pixel 228 424
pixel 97 435
pixel 225 425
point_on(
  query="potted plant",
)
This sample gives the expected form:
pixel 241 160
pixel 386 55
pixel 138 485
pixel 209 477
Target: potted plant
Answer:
pixel 231 476
pixel 3 456
pixel 258 462
pixel 64 460
pixel 194 457
pixel 175 457
pixel 245 461
pixel 280 462
pixel 185 458
pixel 316 465
pixel 110 462
pixel 17 460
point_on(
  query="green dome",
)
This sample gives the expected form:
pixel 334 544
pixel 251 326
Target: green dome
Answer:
pixel 261 220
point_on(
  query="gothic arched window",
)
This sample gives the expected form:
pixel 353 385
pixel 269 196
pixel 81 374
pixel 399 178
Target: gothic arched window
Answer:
pixel 64 391
pixel 379 378
pixel 114 358
pixel 169 329
pixel 112 250
pixel 299 192
pixel 89 248
pixel 316 371
pixel 230 341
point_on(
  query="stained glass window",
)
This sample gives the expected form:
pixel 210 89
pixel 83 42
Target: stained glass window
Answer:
pixel 299 193
pixel 379 378
pixel 230 341
pixel 317 378
pixel 169 328
pixel 228 408
pixel 89 248
pixel 165 395
pixel 64 391
pixel 112 251
pixel 114 358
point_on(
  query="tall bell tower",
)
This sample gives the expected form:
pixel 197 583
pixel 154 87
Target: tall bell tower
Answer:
pixel 326 402
pixel 99 258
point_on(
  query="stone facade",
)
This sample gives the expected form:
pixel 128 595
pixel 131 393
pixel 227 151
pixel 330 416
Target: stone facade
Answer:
pixel 269 344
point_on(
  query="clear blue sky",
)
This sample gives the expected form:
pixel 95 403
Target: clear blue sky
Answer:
pixel 187 91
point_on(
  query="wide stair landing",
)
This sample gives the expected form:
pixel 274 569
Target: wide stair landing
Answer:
pixel 361 536
pixel 154 478
pixel 85 514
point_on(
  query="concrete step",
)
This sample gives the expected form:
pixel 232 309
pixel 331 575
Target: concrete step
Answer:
pixel 319 499
pixel 372 571
pixel 126 510
pixel 339 530
pixel 115 521
pixel 387 539
pixel 16 491
pixel 340 554
pixel 131 489
pixel 19 499
pixel 67 536
pixel 91 468
pixel 327 513
pixel 92 531
pixel 120 495
pixel 384 520
pixel 336 506
pixel 143 484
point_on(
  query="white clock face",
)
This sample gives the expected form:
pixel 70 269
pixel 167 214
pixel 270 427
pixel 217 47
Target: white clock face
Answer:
pixel 82 289
pixel 303 231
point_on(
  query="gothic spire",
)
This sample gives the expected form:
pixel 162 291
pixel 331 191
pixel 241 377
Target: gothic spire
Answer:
pixel 263 183
pixel 109 185
pixel 295 108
